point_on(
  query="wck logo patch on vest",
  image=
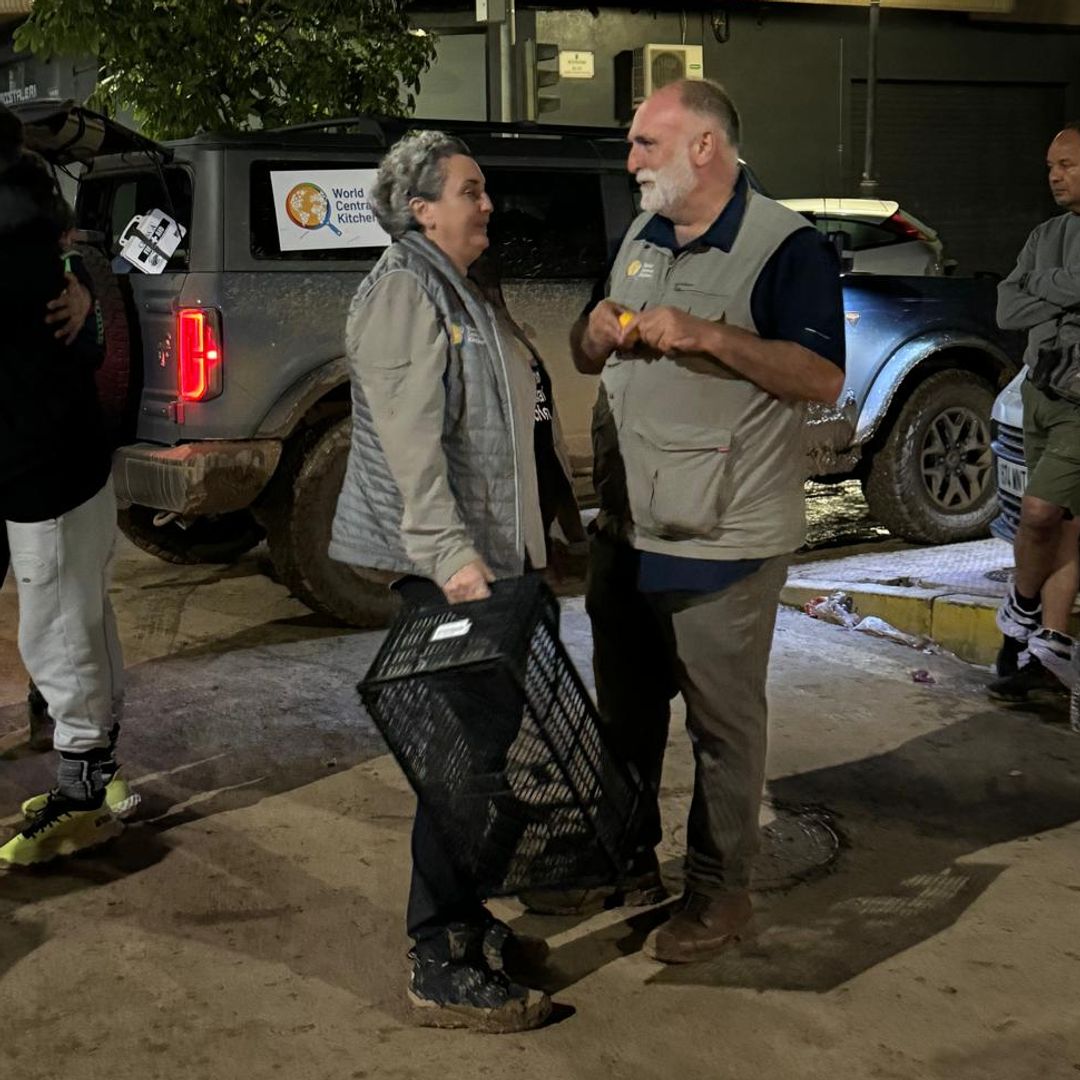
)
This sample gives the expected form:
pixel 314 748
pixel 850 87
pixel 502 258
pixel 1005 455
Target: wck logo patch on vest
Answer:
pixel 638 269
pixel 458 334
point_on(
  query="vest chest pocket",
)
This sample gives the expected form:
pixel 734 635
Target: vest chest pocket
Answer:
pixel 700 302
pixel 679 479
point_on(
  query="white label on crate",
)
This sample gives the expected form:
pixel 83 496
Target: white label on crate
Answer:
pixel 448 630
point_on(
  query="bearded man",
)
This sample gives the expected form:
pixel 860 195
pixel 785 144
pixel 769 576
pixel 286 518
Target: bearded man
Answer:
pixel 721 316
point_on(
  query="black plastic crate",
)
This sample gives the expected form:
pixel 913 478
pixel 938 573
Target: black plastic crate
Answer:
pixel 490 722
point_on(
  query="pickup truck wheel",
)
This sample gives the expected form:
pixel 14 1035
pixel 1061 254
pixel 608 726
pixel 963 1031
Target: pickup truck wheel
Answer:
pixel 298 518
pixel 932 480
pixel 220 538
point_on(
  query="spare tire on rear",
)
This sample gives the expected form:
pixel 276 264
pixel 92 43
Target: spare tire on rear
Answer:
pixel 118 383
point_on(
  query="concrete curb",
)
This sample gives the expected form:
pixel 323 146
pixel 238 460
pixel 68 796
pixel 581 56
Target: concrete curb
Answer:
pixel 959 622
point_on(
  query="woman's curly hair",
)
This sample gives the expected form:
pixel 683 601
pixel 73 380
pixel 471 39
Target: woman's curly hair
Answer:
pixel 412 169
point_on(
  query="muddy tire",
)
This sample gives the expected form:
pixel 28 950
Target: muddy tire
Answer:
pixel 298 514
pixel 117 384
pixel 221 538
pixel 932 480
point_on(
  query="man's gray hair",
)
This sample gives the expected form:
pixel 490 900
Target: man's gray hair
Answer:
pixel 708 98
pixel 412 169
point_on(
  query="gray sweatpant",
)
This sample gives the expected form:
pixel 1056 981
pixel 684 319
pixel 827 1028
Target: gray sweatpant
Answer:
pixel 714 649
pixel 67 630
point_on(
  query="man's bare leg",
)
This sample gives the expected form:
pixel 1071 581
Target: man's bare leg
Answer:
pixel 1037 550
pixel 1060 588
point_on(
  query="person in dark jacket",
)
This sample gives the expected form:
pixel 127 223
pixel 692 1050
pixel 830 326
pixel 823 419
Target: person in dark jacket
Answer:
pixel 59 510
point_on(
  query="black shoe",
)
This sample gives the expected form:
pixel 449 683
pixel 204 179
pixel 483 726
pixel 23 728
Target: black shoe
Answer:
pixel 1031 679
pixel 1008 657
pixel 452 986
pixel 41 723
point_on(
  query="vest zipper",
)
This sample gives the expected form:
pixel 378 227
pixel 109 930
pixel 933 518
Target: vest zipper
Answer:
pixel 518 545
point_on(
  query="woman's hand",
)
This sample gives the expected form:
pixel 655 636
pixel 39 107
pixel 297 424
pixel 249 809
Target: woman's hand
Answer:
pixel 469 583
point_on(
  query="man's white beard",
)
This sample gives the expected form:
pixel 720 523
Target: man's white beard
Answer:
pixel 670 185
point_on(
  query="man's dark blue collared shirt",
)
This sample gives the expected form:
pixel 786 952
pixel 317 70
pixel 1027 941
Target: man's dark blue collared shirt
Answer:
pixel 795 297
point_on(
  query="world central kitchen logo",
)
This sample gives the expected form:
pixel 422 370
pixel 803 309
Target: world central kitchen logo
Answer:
pixel 310 207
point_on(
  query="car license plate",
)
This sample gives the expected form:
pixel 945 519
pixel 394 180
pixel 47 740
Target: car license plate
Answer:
pixel 1011 477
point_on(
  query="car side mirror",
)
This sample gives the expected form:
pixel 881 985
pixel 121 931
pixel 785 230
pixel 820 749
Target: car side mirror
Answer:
pixel 842 242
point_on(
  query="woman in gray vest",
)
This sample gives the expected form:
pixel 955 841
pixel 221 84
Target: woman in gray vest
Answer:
pixel 441 487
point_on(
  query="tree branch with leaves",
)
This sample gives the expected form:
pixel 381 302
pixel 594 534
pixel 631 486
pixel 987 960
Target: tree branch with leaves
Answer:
pixel 185 66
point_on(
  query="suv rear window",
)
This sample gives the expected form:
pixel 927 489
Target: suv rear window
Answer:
pixel 863 235
pixel 265 240
pixel 547 224
pixel 107 203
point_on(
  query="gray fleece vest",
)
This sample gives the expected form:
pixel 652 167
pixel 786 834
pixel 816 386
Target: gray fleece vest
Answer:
pixel 478 432
pixel 694 459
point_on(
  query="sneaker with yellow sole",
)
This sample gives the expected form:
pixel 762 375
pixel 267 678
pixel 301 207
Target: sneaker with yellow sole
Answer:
pixel 119 798
pixel 61 827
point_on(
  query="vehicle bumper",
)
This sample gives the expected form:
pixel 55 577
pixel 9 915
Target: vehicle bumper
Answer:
pixel 1008 447
pixel 195 478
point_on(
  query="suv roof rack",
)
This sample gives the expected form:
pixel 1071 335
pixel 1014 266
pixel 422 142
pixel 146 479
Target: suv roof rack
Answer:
pixel 382 126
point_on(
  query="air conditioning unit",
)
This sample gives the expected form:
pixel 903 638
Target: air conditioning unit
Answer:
pixel 638 72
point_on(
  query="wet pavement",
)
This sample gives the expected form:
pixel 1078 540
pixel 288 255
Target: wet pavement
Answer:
pixel 837 515
pixel 249 924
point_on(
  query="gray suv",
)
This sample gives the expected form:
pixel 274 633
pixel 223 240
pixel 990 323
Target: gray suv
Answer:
pixel 234 386
pixel 227 381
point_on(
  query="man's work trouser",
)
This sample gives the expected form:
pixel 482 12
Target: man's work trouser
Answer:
pixel 713 648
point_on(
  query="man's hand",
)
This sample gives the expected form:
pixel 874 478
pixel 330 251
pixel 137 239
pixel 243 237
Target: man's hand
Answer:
pixel 670 330
pixel 603 330
pixel 469 583
pixel 70 309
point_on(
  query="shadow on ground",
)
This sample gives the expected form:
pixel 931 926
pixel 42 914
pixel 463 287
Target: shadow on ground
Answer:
pixel 212 729
pixel 915 820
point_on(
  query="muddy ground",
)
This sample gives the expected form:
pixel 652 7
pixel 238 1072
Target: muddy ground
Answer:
pixel 249 925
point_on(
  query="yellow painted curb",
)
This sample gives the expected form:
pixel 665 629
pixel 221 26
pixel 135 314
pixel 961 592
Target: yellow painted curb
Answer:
pixel 964 625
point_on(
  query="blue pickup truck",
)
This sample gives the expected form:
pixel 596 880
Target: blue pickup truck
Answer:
pixel 248 436
pixel 925 361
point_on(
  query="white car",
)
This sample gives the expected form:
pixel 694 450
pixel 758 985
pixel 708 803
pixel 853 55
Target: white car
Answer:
pixel 882 238
pixel 1007 442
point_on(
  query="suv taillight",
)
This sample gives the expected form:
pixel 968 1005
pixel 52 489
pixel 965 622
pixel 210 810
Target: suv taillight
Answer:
pixel 198 346
pixel 905 227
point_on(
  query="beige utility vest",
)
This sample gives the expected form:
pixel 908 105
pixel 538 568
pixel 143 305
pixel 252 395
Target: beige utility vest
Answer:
pixel 694 459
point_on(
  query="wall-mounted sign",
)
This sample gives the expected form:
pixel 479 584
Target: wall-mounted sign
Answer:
pixel 576 65
pixel 325 208
pixel 490 11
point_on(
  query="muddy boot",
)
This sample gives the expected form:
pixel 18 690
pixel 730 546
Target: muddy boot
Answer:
pixel 41 723
pixel 452 986
pixel 516 954
pixel 700 927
